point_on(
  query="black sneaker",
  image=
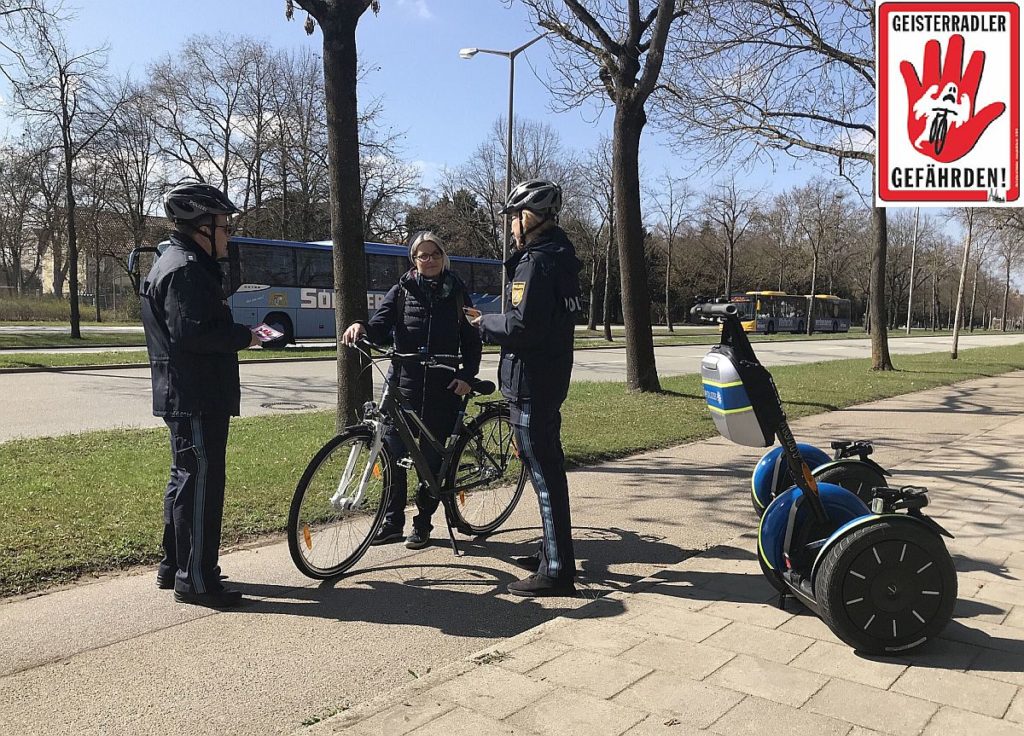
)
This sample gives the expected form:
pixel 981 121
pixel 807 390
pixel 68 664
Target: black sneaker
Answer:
pixel 530 563
pixel 417 540
pixel 388 534
pixel 166 582
pixel 538 585
pixel 223 598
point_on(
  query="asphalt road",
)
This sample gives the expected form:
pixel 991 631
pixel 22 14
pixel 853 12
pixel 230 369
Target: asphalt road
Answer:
pixel 54 402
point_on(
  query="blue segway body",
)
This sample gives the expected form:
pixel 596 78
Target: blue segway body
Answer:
pixel 842 506
pixel 771 475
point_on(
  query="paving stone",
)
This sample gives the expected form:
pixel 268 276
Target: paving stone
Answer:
pixel 572 713
pixel 967 692
pixel 954 722
pixel 979 609
pixel 695 703
pixel 532 655
pixel 996 665
pixel 839 660
pixel 655 725
pixel 492 690
pixel 404 717
pixel 696 661
pixel 872 708
pixel 1015 712
pixel 766 615
pixel 981 634
pixel 690 599
pixel 463 722
pixel 1015 617
pixel 861 731
pixel 758 717
pixel 772 644
pixel 941 654
pixel 583 669
pixel 768 680
pixel 806 624
pixel 1003 592
pixel 686 625
pixel 600 636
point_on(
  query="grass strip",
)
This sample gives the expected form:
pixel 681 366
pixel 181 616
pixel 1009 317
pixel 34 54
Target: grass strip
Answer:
pixel 32 340
pixel 91 502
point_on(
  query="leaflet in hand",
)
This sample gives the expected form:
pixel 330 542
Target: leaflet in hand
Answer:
pixel 265 333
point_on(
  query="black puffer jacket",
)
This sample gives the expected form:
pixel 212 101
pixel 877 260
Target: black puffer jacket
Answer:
pixel 536 333
pixel 418 316
pixel 190 335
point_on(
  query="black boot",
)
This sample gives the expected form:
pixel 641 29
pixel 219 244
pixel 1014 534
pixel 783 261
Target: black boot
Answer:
pixel 538 585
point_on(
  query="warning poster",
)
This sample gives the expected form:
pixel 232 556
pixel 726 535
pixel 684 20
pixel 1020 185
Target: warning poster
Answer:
pixel 949 89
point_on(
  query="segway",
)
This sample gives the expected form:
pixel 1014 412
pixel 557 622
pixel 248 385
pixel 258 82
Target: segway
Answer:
pixel 879 576
pixel 849 467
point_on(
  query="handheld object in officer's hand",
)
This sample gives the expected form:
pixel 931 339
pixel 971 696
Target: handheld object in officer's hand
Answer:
pixel 471 313
pixel 265 333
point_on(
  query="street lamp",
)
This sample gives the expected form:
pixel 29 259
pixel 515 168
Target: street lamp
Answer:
pixel 469 53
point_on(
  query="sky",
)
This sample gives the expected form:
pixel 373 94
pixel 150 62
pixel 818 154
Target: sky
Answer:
pixel 445 105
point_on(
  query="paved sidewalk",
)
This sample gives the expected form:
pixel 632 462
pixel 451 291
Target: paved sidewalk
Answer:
pixel 701 647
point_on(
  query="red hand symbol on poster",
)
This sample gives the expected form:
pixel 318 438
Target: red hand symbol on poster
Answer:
pixel 941 119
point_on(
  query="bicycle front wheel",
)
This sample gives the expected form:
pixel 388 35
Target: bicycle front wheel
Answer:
pixel 339 504
pixel 488 476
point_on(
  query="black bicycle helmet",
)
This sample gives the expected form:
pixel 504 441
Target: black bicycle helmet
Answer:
pixel 193 201
pixel 537 195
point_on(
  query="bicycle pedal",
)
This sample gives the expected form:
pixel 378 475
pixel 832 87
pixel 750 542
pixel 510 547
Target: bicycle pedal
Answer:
pixel 405 462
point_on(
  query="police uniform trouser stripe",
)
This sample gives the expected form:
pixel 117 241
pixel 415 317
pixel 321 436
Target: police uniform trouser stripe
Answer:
pixel 544 498
pixel 198 506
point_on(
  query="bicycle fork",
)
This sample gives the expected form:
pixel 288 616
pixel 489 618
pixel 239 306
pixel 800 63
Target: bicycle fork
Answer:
pixel 350 503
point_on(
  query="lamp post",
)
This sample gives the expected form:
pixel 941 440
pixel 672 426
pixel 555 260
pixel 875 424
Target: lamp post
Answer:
pixel 469 53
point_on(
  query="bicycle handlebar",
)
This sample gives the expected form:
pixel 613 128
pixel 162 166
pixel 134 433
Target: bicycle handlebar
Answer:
pixel 424 359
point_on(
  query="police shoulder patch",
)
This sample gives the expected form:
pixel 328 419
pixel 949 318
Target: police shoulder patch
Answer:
pixel 518 288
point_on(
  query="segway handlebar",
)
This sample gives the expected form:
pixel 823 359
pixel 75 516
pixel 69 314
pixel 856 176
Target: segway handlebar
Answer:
pixel 714 310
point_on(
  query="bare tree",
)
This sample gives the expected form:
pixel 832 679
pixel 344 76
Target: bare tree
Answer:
pixel 338 20
pixel 968 217
pixel 732 210
pixel 670 197
pixel 614 51
pixel 819 218
pixel 71 94
pixel 20 256
pixel 796 76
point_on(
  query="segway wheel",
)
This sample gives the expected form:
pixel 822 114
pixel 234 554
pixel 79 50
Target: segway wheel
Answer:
pixel 886 587
pixel 854 476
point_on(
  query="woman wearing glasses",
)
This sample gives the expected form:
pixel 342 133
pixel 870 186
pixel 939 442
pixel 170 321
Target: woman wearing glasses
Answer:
pixel 423 313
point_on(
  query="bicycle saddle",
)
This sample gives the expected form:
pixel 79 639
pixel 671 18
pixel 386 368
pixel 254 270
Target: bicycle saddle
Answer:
pixel 483 388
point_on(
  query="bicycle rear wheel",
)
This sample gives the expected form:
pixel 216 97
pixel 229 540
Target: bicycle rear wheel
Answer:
pixel 488 476
pixel 338 505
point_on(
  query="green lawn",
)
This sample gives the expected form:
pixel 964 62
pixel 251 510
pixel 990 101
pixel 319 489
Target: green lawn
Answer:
pixel 91 502
pixel 24 340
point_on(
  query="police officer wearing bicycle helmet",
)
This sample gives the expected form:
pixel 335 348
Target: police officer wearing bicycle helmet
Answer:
pixel 536 338
pixel 193 343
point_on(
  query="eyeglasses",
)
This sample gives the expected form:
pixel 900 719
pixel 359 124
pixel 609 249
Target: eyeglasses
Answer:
pixel 424 257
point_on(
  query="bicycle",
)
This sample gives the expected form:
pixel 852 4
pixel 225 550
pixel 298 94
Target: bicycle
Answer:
pixel 341 498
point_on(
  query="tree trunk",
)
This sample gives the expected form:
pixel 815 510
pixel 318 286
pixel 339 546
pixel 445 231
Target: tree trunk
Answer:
pixel 935 303
pixel 974 298
pixel 641 370
pixel 913 259
pixel 1006 294
pixel 96 287
pixel 729 252
pixel 960 289
pixel 880 359
pixel 592 316
pixel 607 314
pixel 69 197
pixel 668 273
pixel 811 300
pixel 340 79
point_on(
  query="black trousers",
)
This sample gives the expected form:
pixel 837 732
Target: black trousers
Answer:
pixel 194 502
pixel 440 419
pixel 538 436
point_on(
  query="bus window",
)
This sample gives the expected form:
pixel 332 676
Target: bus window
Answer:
pixel 383 272
pixel 263 264
pixel 486 278
pixel 316 268
pixel 464 271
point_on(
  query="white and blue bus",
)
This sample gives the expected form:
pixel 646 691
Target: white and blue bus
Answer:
pixel 290 285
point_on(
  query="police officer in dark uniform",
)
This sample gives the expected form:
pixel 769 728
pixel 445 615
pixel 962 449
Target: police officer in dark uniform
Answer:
pixel 536 338
pixel 193 344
